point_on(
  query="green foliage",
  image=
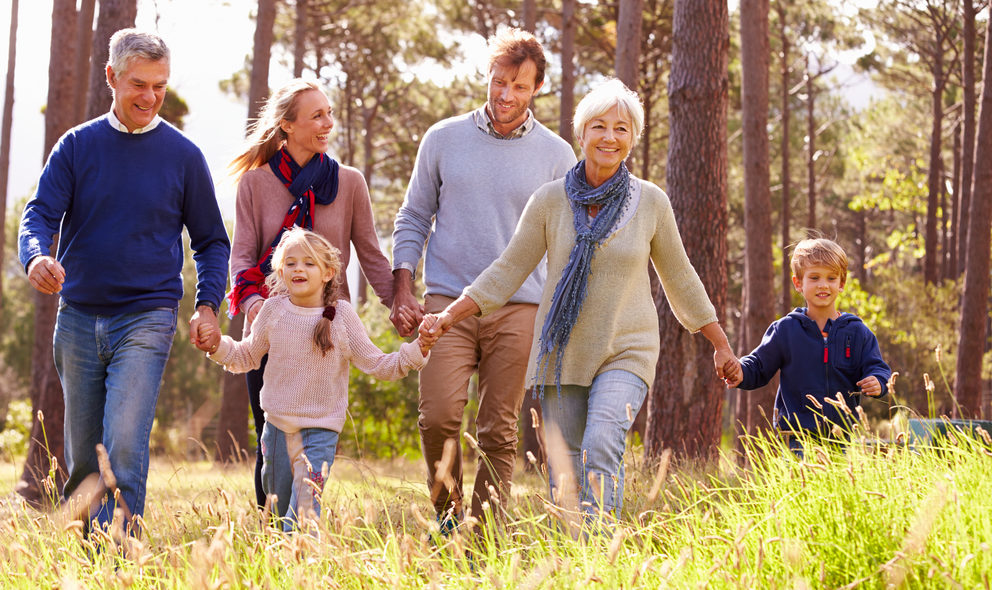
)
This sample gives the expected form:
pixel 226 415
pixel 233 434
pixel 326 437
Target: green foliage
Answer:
pixel 860 516
pixel 17 430
pixel 382 415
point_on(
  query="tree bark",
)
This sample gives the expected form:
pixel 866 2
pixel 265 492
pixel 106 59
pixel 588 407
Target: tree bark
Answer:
pixel 232 423
pixel 686 401
pixel 529 10
pixel 628 42
pixel 934 181
pixel 758 268
pixel 46 447
pixel 811 151
pixel 568 27
pixel 8 117
pixel 975 302
pixel 300 42
pixel 955 218
pixel 84 45
pixel 967 131
pixel 114 15
pixel 786 174
pixel 258 90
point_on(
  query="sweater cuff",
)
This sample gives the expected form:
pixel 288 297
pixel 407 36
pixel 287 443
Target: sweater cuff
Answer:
pixel 220 355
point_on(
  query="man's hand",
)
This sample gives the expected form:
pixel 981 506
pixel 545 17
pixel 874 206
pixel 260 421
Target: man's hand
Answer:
pixel 46 274
pixel 204 329
pixel 407 312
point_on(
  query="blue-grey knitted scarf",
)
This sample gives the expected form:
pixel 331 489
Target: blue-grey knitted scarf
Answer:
pixel 566 303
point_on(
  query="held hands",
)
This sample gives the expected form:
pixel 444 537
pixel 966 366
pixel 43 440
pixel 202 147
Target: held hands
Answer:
pixel 204 330
pixel 728 367
pixel 46 275
pixel 870 386
pixel 406 312
pixel 430 332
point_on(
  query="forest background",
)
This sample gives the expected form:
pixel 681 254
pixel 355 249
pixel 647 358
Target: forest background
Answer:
pixel 749 128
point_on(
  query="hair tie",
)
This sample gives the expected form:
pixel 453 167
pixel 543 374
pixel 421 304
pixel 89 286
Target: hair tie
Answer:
pixel 329 312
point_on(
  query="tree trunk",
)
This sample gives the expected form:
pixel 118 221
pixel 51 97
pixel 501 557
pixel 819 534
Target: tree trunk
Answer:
pixel 84 45
pixel 8 117
pixel 568 26
pixel 934 181
pixel 786 174
pixel 686 401
pixel 114 16
pixel 258 91
pixel 300 42
pixel 955 217
pixel 232 423
pixel 628 51
pixel 47 435
pixel 811 151
pixel 968 130
pixel 529 10
pixel 758 268
pixel 975 302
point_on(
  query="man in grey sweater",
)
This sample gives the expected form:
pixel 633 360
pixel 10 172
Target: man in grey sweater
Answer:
pixel 474 174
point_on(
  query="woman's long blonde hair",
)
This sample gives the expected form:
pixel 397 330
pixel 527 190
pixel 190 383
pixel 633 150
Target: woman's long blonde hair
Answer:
pixel 265 134
pixel 327 258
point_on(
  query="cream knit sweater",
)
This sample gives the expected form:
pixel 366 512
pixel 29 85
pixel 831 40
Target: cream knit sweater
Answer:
pixel 617 327
pixel 302 388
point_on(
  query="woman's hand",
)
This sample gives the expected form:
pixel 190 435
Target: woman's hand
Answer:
pixel 725 361
pixel 253 310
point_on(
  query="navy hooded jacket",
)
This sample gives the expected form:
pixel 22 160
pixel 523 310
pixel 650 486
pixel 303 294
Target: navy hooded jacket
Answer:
pixel 810 366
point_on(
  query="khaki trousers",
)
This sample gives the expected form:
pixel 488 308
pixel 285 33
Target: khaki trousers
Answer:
pixel 496 346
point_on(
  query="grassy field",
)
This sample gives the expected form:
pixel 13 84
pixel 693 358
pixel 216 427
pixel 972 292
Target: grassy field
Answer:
pixel 859 517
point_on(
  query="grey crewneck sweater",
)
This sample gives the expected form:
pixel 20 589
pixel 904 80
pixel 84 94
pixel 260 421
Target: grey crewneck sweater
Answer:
pixel 466 194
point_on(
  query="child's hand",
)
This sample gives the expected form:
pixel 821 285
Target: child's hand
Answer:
pixel 209 336
pixel 733 374
pixel 425 345
pixel 870 386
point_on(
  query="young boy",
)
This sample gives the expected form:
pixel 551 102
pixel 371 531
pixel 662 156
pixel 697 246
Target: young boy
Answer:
pixel 819 350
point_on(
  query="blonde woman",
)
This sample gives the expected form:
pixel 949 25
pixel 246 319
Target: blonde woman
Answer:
pixel 286 179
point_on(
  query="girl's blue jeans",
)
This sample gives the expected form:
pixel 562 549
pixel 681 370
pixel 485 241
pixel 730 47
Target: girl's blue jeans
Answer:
pixel 288 459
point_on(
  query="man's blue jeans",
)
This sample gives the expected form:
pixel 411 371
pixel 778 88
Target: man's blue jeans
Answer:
pixel 111 369
pixel 593 423
pixel 284 469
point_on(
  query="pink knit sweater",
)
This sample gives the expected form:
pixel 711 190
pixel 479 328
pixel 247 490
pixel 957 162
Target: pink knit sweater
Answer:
pixel 302 388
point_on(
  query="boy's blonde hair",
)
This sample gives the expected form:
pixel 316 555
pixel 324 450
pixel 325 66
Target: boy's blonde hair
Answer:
pixel 819 252
pixel 327 258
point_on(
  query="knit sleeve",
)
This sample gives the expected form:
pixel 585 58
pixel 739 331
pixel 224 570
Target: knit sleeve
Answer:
pixel 685 292
pixel 374 264
pixel 416 215
pixel 246 355
pixel 367 357
pixel 494 287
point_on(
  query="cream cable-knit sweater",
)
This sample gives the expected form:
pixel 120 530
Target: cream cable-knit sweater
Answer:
pixel 302 388
pixel 617 327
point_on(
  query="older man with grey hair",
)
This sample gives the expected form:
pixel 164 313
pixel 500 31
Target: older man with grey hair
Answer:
pixel 119 190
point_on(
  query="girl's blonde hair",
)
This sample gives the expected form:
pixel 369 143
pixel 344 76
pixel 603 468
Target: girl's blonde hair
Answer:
pixel 327 258
pixel 265 134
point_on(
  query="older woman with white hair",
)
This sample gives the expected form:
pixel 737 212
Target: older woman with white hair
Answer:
pixel 600 227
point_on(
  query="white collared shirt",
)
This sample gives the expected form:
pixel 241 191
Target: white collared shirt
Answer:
pixel 116 124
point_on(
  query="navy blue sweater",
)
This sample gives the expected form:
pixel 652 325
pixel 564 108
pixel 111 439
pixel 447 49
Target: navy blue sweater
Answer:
pixel 810 366
pixel 119 202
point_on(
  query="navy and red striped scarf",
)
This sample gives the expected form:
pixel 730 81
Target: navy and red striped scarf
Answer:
pixel 315 183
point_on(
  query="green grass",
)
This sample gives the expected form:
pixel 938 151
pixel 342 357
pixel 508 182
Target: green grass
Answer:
pixel 863 517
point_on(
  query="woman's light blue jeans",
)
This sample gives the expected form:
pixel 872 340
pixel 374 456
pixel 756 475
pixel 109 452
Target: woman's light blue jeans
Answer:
pixel 111 368
pixel 285 459
pixel 591 424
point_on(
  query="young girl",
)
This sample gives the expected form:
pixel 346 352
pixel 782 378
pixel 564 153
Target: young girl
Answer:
pixel 310 337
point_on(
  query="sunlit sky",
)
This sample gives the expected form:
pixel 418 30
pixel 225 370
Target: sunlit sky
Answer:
pixel 209 40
